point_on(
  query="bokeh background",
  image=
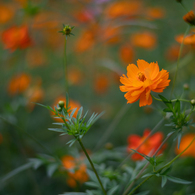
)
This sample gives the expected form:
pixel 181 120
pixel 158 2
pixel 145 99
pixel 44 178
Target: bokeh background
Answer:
pixel 108 35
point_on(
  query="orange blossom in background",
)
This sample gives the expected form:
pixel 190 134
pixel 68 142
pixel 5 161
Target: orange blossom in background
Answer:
pixel 149 146
pixel 16 38
pixel 79 175
pixel 185 141
pixel 141 80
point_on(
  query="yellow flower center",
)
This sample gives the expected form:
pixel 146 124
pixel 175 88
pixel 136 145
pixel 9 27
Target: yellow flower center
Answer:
pixel 141 76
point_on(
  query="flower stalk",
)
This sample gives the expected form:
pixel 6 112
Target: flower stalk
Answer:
pixel 82 146
pixel 178 60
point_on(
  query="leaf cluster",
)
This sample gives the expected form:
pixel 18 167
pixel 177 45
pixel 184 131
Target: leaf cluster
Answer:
pixel 76 126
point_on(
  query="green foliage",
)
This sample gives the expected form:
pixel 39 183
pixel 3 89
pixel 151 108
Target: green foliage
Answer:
pixel 179 119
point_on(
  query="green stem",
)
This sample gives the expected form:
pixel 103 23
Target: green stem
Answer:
pixel 174 100
pixel 184 6
pixel 180 50
pixel 140 185
pixel 82 146
pixel 65 66
pixel 159 170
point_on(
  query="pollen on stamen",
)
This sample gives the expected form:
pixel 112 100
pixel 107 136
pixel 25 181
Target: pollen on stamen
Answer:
pixel 141 76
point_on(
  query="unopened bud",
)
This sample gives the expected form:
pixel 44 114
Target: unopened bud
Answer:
pixel 189 18
pixel 61 103
pixel 109 146
pixel 193 102
pixel 67 30
pixel 59 109
pixel 186 86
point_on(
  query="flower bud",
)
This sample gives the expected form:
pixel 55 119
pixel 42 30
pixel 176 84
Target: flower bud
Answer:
pixel 67 30
pixel 59 109
pixel 109 146
pixel 61 104
pixel 189 18
pixel 186 86
pixel 192 102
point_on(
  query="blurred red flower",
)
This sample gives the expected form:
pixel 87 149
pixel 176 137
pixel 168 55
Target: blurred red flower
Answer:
pixel 16 38
pixel 149 146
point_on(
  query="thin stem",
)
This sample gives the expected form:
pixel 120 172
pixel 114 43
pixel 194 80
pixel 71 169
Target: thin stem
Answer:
pixel 180 50
pixel 174 100
pixel 140 185
pixel 168 164
pixel 82 146
pixel 184 6
pixel 65 66
pixel 159 170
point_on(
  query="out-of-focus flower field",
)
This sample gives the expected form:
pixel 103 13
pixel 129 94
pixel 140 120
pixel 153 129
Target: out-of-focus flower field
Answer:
pixel 108 35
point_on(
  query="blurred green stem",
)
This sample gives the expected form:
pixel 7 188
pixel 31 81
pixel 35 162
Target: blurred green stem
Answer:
pixel 180 50
pixel 65 66
pixel 159 170
pixel 174 100
pixel 82 146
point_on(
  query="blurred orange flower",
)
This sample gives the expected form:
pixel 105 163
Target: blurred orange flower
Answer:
pixel 145 40
pixel 172 52
pixel 68 162
pixel 19 84
pixel 110 35
pixel 16 38
pixel 75 76
pixel 101 84
pixel 80 171
pixel 149 147
pixel 126 53
pixel 155 12
pixel 188 40
pixel 72 105
pixel 185 141
pixel 35 57
pixel 6 13
pixel 85 41
pixel 141 80
pixel 123 8
pixel 34 94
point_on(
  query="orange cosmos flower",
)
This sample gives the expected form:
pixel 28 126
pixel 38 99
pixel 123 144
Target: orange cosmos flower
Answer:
pixel 188 40
pixel 148 148
pixel 155 12
pixel 190 18
pixel 19 84
pixel 185 141
pixel 80 173
pixel 6 13
pixel 16 38
pixel 123 8
pixel 141 80
pixel 145 40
